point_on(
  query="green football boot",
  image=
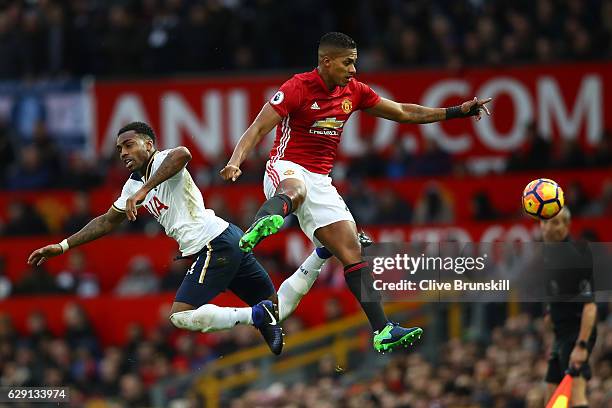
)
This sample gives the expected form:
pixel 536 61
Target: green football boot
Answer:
pixel 263 227
pixel 394 336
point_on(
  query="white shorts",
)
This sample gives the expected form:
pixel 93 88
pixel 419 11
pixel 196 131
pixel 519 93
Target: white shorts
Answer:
pixel 322 206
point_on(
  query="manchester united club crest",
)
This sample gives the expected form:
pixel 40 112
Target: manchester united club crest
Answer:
pixel 347 106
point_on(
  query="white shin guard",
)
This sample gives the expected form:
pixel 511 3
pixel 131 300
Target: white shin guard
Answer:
pixel 210 318
pixel 293 289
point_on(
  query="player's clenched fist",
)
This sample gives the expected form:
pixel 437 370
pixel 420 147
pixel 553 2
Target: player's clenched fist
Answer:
pixel 230 172
pixel 42 254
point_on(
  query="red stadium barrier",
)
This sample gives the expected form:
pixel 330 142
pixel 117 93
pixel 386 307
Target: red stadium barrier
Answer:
pixel 111 316
pixel 108 257
pixel 209 114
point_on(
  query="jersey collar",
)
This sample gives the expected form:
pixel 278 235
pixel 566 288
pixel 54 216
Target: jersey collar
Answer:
pixel 333 92
pixel 149 166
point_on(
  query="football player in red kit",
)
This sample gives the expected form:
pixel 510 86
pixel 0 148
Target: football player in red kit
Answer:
pixel 310 111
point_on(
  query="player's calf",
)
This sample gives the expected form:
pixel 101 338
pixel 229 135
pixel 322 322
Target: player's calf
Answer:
pixel 295 287
pixel 279 204
pixel 364 240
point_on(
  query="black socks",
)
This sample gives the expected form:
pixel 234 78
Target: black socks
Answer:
pixel 369 300
pixel 279 204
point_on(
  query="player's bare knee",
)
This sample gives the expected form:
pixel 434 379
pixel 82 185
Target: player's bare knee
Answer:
pixel 295 189
pixel 352 247
pixel 298 199
pixel 342 240
pixel 348 253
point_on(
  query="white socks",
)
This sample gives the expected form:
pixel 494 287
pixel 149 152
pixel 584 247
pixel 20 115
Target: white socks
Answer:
pixel 297 285
pixel 210 318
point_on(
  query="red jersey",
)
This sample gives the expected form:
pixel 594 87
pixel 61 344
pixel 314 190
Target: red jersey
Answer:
pixel 313 119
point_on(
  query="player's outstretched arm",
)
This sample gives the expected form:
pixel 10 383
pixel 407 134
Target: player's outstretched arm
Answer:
pixel 174 162
pixel 95 229
pixel 265 121
pixel 411 113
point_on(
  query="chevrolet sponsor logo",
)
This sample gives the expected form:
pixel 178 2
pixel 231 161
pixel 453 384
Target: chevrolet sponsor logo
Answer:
pixel 329 123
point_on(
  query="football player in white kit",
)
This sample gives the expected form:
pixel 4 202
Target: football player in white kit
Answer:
pixel 160 182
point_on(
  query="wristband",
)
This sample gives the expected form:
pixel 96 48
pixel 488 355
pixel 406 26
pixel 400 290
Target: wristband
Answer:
pixel 582 344
pixel 64 245
pixel 454 112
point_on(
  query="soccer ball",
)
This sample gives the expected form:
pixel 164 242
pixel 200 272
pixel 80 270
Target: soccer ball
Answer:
pixel 543 199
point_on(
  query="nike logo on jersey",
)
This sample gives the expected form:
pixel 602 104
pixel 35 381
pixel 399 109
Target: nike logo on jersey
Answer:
pixel 315 106
pixel 273 322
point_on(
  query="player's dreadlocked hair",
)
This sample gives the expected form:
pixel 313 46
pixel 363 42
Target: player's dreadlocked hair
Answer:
pixel 140 128
pixel 337 40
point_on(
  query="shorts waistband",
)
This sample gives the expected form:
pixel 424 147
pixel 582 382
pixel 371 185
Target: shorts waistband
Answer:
pixel 204 249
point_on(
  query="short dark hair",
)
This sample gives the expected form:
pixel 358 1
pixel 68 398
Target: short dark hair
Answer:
pixel 337 40
pixel 139 127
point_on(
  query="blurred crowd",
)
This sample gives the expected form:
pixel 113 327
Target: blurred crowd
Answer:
pixel 40 163
pixel 51 38
pixel 506 372
pixel 125 374
pixel 76 279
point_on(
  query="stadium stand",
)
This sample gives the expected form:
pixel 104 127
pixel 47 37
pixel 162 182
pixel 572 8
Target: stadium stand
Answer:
pixel 96 319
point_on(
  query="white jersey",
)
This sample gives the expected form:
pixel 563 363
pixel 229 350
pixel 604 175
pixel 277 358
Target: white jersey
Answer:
pixel 177 204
